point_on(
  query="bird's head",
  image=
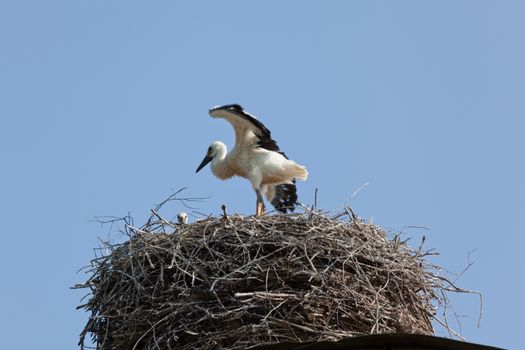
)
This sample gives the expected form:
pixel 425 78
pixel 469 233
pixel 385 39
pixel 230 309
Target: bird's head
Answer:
pixel 217 148
pixel 182 217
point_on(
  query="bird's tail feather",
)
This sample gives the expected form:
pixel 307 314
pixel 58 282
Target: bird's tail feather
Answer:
pixel 299 172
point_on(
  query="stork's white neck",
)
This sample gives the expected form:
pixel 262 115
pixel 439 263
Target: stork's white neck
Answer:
pixel 220 165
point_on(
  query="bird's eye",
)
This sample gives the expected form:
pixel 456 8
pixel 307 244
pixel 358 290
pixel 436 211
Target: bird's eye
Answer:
pixel 209 149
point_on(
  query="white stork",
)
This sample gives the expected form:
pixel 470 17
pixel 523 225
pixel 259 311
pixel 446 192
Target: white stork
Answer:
pixel 255 157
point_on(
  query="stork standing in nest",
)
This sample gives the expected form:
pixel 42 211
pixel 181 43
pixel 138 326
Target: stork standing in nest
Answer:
pixel 255 157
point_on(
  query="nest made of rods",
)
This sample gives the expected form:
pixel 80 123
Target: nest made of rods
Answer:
pixel 236 282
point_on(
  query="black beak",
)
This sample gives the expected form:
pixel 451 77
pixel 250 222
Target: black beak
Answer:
pixel 205 161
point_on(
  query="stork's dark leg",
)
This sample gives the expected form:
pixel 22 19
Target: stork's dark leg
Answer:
pixel 259 207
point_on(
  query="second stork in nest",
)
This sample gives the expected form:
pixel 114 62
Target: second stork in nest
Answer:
pixel 255 157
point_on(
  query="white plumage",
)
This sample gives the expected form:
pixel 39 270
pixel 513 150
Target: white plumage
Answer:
pixel 255 157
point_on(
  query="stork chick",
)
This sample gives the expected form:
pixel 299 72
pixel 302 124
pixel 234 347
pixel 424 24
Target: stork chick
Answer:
pixel 255 157
pixel 182 218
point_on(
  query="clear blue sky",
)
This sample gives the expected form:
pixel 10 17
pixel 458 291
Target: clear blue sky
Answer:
pixel 104 111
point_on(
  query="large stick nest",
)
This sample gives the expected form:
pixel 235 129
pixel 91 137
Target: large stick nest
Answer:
pixel 236 282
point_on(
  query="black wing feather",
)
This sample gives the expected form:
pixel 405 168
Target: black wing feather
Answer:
pixel 285 197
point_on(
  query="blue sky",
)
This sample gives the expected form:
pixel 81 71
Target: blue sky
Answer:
pixel 104 112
